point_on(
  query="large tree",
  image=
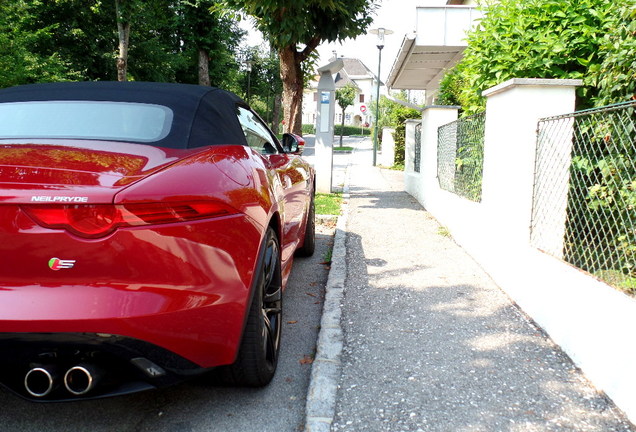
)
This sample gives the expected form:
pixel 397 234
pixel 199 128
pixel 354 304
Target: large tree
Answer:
pixel 209 37
pixel 295 29
pixel 27 53
pixel 122 13
pixel 46 40
pixel 263 79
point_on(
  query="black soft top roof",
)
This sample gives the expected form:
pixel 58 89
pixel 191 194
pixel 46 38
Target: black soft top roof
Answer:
pixel 202 115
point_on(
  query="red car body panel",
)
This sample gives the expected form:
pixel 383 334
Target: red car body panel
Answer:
pixel 183 286
pixel 187 258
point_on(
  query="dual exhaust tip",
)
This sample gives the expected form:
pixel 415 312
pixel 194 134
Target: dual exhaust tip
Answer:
pixel 78 380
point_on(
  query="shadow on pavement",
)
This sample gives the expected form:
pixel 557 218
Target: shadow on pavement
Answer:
pixel 429 350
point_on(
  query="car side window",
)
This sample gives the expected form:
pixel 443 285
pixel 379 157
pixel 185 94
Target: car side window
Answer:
pixel 256 133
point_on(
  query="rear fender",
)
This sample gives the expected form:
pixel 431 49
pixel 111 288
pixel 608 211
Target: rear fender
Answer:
pixel 225 173
pixel 275 224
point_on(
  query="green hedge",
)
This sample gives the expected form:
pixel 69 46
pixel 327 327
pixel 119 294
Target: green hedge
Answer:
pixel 352 130
pixel 588 39
pixel 347 131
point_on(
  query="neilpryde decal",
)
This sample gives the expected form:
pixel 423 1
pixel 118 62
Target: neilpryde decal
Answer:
pixel 58 264
pixel 59 199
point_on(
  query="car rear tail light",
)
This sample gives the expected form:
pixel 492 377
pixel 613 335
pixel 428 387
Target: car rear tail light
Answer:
pixel 98 220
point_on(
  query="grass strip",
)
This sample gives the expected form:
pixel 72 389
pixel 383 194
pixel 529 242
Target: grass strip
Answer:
pixel 328 204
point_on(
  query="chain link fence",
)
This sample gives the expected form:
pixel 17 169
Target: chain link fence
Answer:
pixel 418 148
pixel 584 204
pixel 460 156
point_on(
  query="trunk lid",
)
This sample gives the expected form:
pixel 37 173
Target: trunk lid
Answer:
pixel 66 171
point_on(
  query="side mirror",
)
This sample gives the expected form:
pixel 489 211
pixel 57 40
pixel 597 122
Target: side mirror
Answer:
pixel 293 143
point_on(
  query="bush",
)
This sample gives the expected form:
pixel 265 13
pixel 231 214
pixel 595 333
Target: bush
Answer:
pixel 309 129
pixel 352 130
pixel 600 234
pixel 615 77
pixel 394 115
pixel 347 131
pixel 451 86
pixel 533 39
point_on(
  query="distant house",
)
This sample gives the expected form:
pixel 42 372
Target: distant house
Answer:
pixel 356 73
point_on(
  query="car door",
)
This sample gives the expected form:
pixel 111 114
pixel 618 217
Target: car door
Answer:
pixel 288 174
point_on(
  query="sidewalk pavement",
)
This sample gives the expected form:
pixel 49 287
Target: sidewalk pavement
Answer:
pixel 416 337
pixel 340 159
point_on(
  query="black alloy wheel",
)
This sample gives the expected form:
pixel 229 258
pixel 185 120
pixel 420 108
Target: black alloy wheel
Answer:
pixel 257 359
pixel 309 243
pixel 272 301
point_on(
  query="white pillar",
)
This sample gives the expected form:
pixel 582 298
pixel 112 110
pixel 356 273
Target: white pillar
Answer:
pixel 513 110
pixel 387 156
pixel 409 144
pixel 432 118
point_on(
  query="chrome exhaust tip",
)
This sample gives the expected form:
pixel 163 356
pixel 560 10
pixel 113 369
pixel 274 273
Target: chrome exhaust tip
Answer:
pixel 81 379
pixel 39 381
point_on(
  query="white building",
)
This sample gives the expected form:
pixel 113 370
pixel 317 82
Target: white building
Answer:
pixel 356 73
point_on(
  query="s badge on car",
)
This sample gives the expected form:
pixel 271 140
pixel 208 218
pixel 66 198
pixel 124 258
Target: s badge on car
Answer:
pixel 58 264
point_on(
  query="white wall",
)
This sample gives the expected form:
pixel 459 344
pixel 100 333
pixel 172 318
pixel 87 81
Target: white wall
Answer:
pixel 591 321
pixel 387 155
pixel 424 185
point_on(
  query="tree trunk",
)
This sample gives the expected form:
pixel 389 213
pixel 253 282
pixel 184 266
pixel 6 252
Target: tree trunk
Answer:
pixel 292 76
pixel 276 113
pixel 342 126
pixel 123 31
pixel 204 67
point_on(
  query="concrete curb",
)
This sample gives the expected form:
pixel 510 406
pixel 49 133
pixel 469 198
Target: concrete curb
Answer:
pixel 326 369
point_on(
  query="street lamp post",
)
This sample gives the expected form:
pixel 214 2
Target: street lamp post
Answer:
pixel 248 68
pixel 381 32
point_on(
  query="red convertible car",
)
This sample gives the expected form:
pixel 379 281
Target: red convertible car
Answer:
pixel 147 232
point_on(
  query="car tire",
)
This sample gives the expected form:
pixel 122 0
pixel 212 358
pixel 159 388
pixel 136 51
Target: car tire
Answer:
pixel 257 359
pixel 309 243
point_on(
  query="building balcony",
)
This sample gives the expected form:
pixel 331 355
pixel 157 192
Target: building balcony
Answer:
pixel 437 45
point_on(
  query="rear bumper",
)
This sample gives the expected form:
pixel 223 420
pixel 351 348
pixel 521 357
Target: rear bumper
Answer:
pixel 204 328
pixel 126 365
pixel 182 287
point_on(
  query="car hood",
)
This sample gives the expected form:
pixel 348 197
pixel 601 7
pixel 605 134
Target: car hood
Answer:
pixel 76 171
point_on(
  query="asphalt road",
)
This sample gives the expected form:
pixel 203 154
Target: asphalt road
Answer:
pixel 310 146
pixel 195 406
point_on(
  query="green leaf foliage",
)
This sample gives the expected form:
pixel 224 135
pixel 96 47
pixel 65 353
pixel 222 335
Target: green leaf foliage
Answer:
pixel 295 29
pixel 53 40
pixel 393 115
pixel 345 96
pixel 615 76
pixel 531 39
pixel 23 54
pixel 264 80
pixel 193 25
pixel 600 235
pixel 300 21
